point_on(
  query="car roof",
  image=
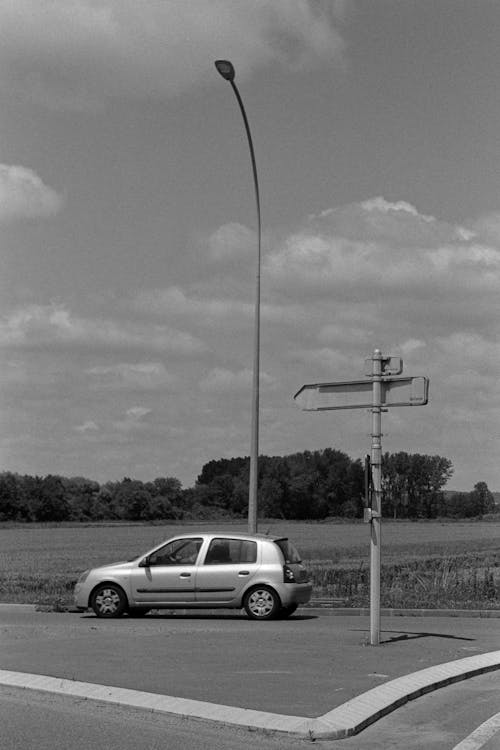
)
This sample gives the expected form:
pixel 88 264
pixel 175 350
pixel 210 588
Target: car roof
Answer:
pixel 231 535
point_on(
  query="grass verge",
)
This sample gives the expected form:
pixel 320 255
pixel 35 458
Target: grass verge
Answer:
pixel 470 581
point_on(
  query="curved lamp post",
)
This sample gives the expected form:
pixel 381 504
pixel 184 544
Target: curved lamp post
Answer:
pixel 226 69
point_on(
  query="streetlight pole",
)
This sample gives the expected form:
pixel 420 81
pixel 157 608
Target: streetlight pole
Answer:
pixel 376 526
pixel 226 70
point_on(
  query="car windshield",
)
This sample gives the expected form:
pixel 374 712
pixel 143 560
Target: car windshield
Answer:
pixel 289 552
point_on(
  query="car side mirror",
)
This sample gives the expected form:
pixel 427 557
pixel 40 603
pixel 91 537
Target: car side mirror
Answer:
pixel 144 562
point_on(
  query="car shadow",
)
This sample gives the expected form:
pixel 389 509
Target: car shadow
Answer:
pixel 196 616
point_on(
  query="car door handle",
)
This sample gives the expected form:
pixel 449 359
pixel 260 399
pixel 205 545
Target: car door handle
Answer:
pixel 185 575
pixel 244 573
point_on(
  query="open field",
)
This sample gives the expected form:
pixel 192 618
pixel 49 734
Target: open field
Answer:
pixel 432 564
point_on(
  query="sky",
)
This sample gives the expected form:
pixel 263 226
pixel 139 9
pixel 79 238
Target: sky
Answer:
pixel 128 233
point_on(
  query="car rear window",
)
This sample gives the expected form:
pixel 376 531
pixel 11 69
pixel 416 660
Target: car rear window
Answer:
pixel 289 552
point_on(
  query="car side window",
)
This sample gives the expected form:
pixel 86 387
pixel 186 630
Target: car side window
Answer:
pixel 178 552
pixel 231 551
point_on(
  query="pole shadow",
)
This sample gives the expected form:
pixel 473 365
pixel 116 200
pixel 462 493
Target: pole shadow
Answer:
pixel 415 635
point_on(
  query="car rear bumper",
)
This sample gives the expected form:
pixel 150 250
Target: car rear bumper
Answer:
pixel 296 593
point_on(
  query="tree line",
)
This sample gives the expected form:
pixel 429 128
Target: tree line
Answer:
pixel 310 485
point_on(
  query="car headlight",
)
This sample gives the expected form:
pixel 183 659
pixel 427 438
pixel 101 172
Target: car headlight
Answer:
pixel 83 577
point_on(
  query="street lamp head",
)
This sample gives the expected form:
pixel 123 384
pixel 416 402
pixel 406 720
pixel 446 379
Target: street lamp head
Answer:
pixel 226 69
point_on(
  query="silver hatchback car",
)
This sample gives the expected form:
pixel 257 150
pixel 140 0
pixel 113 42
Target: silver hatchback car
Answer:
pixel 262 574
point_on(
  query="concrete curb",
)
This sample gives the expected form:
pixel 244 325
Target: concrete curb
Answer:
pixel 352 717
pixel 318 608
pixel 344 721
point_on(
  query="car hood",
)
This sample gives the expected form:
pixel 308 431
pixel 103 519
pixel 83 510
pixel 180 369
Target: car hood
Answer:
pixel 124 565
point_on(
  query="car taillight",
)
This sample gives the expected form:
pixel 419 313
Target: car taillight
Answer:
pixel 288 574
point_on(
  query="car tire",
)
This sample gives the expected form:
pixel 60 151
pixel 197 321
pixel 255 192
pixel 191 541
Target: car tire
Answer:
pixel 108 600
pixel 137 611
pixel 262 603
pixel 287 611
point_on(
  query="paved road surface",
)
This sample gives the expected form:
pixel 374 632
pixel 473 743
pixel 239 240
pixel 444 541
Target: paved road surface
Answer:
pixel 304 666
pixel 34 721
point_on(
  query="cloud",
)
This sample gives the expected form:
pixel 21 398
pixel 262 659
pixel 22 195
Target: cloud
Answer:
pixel 54 327
pixel 365 249
pixel 23 195
pixel 137 412
pixel 125 48
pixel 88 426
pixel 231 313
pixel 232 242
pixel 220 380
pixel 142 375
pixel 133 420
pixel 175 301
pixel 467 349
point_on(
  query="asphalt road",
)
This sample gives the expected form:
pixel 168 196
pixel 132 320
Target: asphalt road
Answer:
pixel 35 721
pixel 305 666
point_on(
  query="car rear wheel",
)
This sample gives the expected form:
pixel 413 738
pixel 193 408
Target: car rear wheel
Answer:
pixel 262 603
pixel 108 600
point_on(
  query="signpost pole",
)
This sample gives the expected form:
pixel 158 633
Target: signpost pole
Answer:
pixel 386 390
pixel 376 463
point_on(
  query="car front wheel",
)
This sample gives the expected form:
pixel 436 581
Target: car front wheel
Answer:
pixel 262 603
pixel 108 600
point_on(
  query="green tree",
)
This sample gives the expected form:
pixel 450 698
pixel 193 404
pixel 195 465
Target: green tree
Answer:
pixel 412 484
pixel 13 505
pixel 81 495
pixel 131 500
pixel 483 498
pixel 49 502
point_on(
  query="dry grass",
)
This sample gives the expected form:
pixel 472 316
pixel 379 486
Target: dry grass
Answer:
pixel 427 564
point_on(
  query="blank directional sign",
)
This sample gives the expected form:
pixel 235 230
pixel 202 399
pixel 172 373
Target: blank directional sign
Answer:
pixel 405 391
pixel 357 394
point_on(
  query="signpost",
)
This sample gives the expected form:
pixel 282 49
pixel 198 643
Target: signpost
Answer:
pixel 384 389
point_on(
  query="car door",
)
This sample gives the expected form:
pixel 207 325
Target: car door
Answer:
pixel 167 576
pixel 229 565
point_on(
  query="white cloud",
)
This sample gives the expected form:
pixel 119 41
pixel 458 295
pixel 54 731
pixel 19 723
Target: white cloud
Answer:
pixel 328 360
pixel 412 345
pixel 488 227
pixel 380 247
pixel 467 349
pixel 386 207
pixel 232 242
pixel 342 332
pixel 137 412
pixel 53 326
pixel 154 48
pixel 211 312
pixel 88 426
pixel 23 195
pixel 220 380
pixel 143 375
pixel 133 419
pixel 175 301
